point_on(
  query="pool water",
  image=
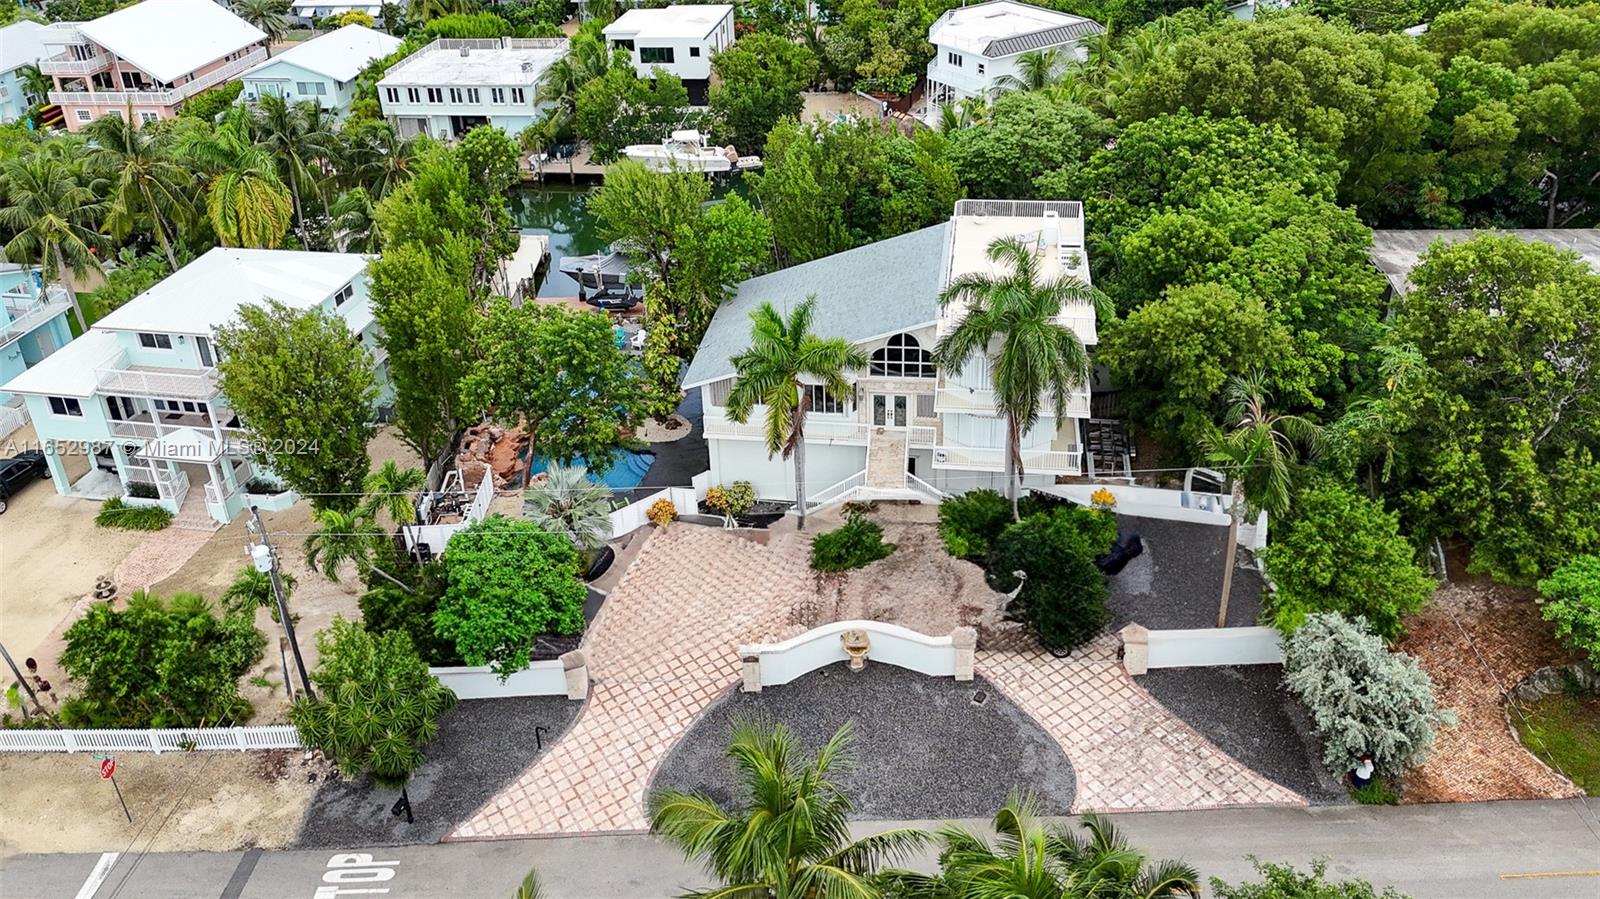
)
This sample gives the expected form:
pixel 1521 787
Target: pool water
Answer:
pixel 626 471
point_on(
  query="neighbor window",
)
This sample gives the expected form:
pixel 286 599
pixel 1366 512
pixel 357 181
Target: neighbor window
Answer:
pixel 695 52
pixel 412 96
pixel 472 95
pixel 392 94
pixel 83 115
pixel 980 68
pixel 823 401
pixel 455 95
pixel 901 357
pixel 155 341
pixel 649 55
pixel 343 295
pixel 65 405
pixel 147 117
pixel 625 44
pixel 435 95
pixel 953 59
pixel 517 95
pixel 497 95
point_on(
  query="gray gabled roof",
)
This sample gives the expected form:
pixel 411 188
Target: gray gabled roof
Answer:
pixel 1038 40
pixel 881 288
pixel 1396 253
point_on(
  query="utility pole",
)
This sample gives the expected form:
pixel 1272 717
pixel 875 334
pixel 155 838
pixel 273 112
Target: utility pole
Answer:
pixel 265 559
pixel 26 687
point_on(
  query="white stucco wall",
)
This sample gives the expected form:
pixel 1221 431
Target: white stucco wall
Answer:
pixel 773 478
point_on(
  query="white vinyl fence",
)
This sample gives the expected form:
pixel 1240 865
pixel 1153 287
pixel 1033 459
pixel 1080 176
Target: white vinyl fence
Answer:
pixel 633 516
pixel 771 664
pixel 238 739
pixel 1205 647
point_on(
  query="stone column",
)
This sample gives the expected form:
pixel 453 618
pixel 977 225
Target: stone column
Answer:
pixel 575 665
pixel 965 641
pixel 750 669
pixel 58 472
pixel 1135 648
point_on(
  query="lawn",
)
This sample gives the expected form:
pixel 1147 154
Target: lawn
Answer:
pixel 1564 730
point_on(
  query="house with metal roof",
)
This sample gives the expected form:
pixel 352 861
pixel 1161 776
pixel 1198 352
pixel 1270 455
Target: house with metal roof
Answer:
pixel 977 47
pixel 1397 253
pixel 322 70
pixel 140 389
pixel 907 429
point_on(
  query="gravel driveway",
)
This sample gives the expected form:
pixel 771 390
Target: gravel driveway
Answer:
pixel 922 748
pixel 1177 581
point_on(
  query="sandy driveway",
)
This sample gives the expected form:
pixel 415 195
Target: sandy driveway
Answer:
pixel 50 554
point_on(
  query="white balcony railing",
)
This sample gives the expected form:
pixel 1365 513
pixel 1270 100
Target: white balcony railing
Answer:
pixel 25 318
pixel 114 375
pixel 169 486
pixel 1069 461
pixel 166 97
pixel 817 429
pixel 957 398
pixel 139 430
pixel 66 64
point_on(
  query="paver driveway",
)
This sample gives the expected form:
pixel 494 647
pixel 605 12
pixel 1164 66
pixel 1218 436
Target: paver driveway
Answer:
pixel 664 647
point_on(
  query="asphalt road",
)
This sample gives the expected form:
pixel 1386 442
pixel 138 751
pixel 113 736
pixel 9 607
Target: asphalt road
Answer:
pixel 1506 849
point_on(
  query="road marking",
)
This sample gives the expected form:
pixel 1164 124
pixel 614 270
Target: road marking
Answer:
pixel 355 868
pixel 241 875
pixel 102 870
pixel 1536 875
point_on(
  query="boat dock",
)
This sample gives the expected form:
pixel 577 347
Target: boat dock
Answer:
pixel 520 275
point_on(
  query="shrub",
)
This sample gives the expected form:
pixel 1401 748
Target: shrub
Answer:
pixel 1064 596
pixel 662 512
pixel 212 103
pixel 114 513
pixel 1343 553
pixel 385 607
pixel 733 499
pixel 141 490
pixel 507 582
pixel 263 486
pixel 968 524
pixel 1362 697
pixel 1570 598
pixel 1285 882
pixel 858 542
pixel 158 664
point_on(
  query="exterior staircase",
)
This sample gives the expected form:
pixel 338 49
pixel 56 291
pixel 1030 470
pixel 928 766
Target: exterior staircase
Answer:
pixel 886 458
pixel 192 515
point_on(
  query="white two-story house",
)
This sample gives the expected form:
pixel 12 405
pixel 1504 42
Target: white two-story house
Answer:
pixel 454 85
pixel 139 390
pixel 976 47
pixel 323 69
pixel 34 317
pixel 907 429
pixel 679 40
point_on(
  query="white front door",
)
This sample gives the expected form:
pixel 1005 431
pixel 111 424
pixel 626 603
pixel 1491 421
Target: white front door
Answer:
pixel 891 410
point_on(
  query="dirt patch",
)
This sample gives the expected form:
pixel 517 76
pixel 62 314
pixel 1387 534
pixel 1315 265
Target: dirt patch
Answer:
pixel 1475 639
pixel 919 585
pixel 209 801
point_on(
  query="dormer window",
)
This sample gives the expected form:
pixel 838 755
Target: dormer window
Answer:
pixel 901 357
pixel 344 294
pixel 155 341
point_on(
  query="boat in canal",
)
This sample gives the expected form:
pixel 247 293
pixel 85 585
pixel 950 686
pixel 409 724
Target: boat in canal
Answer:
pixel 688 151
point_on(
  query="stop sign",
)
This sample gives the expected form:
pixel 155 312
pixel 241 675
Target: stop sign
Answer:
pixel 108 767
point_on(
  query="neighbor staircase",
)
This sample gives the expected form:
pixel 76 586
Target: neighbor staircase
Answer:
pixel 192 515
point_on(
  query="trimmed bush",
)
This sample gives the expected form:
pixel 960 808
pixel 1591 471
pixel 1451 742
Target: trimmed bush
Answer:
pixel 263 486
pixel 969 524
pixel 662 513
pixel 1571 599
pixel 1064 596
pixel 858 542
pixel 141 490
pixel 732 499
pixel 114 513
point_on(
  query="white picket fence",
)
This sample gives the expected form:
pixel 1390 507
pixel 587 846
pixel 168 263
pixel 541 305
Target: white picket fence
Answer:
pixel 238 739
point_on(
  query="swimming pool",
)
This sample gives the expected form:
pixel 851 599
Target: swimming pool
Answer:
pixel 626 471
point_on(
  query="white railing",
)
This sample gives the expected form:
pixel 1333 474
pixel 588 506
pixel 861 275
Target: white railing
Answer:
pixel 922 435
pixel 437 536
pixel 771 664
pixel 817 428
pixel 457 44
pixel 12 418
pixel 162 97
pixel 833 491
pixel 636 515
pixel 35 314
pixel 926 487
pixel 238 739
pixel 1069 461
pixel 65 63
pixel 114 376
pixel 1151 502
pixel 567 676
pixel 146 430
pixel 959 398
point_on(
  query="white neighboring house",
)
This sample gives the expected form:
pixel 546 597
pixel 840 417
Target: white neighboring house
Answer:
pixel 454 85
pixel 21 45
pixel 323 69
pixel 678 39
pixel 908 430
pixel 976 47
pixel 140 390
pixel 307 12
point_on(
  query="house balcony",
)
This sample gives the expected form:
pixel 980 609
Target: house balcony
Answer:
pixel 65 63
pixel 167 97
pixel 152 425
pixel 956 398
pixel 819 429
pixel 115 375
pixel 1058 459
pixel 28 311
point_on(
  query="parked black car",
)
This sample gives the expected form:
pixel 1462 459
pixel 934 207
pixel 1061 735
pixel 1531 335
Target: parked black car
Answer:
pixel 19 471
pixel 1125 550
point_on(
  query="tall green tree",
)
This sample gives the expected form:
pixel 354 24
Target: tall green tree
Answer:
pixel 649 213
pixel 52 217
pixel 1039 359
pixel 146 185
pixel 760 79
pixel 246 201
pixel 783 350
pixel 377 704
pixel 300 138
pixel 305 389
pixel 619 108
pixel 558 374
pixel 791 838
pixel 1045 861
pixel 1025 135
pixel 271 16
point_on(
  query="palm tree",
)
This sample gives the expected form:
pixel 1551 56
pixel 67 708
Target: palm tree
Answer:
pixel 1258 454
pixel 781 352
pixel 791 840
pixel 529 888
pixel 268 15
pixel 390 489
pixel 423 11
pixel 1040 861
pixel 145 182
pixel 392 18
pixel 252 589
pixel 353 225
pixel 1039 356
pixel 377 158
pixel 969 112
pixel 52 216
pixel 297 135
pixel 245 199
pixel 567 502
pixel 587 59
pixel 1036 70
pixel 342 537
pixel 35 83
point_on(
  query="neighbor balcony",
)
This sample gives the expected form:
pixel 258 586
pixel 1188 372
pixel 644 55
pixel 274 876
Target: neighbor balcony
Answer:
pixel 28 310
pixel 115 375
pixel 65 63
pixel 1059 459
pixel 164 97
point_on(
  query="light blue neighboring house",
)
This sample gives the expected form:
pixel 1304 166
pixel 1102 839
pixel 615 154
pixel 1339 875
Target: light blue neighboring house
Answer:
pixel 323 69
pixel 21 44
pixel 35 322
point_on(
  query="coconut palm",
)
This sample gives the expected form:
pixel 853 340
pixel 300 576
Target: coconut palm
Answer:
pixel 252 589
pixel 390 489
pixel 53 217
pixel 145 183
pixel 423 11
pixel 1036 70
pixel 1040 861
pixel 35 83
pixel 342 537
pixel 246 201
pixel 1039 357
pixel 1258 453
pixel 969 112
pixel 567 502
pixel 587 60
pixel 782 352
pixel 299 137
pixel 791 838
pixel 377 158
pixel 353 226
pixel 271 16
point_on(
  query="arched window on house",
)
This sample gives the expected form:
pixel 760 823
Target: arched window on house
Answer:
pixel 901 357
